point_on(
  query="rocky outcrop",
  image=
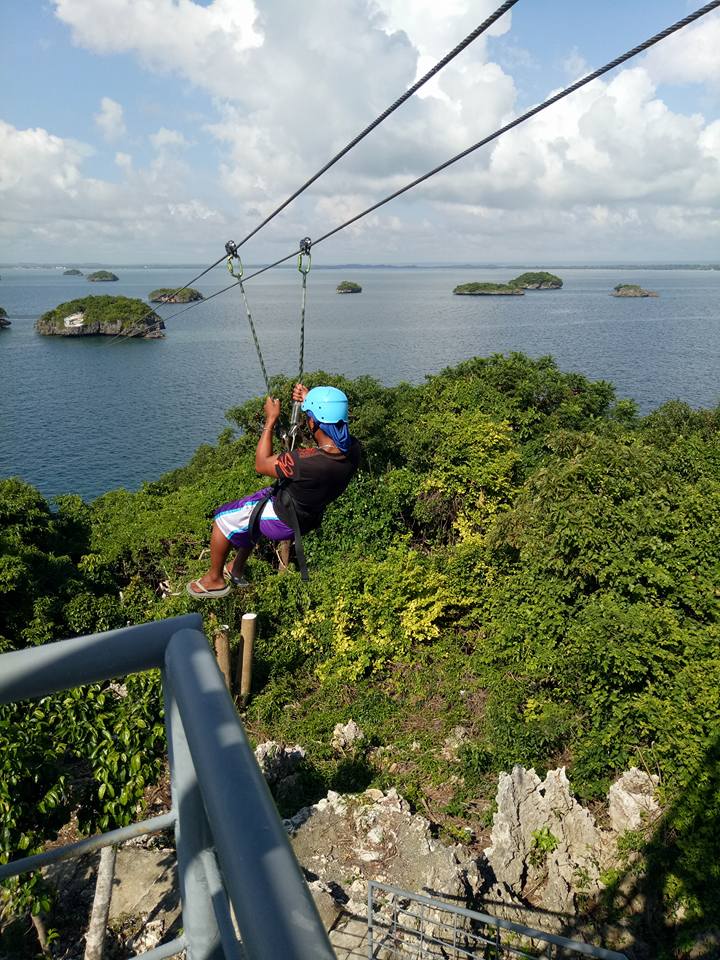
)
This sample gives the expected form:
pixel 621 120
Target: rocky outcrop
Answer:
pixel 171 295
pixel 346 736
pixel 101 316
pixel 632 290
pixel 345 841
pixel 538 280
pixel 100 276
pixel 548 850
pixel 487 290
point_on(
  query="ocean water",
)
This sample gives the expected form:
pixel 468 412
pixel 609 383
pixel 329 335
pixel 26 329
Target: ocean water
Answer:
pixel 87 415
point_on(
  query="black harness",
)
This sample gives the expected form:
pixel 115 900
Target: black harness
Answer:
pixel 281 494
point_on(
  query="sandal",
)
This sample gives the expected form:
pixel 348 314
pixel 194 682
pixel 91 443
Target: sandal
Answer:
pixel 235 581
pixel 199 592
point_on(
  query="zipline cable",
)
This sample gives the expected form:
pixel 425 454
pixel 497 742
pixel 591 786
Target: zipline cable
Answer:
pixel 470 38
pixel 478 31
pixel 673 28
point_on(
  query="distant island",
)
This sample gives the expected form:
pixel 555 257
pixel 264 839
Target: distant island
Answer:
pixel 72 272
pixel 101 275
pixel 632 290
pixel 488 290
pixel 171 295
pixel 101 316
pixel 540 280
pixel 347 286
pixel 4 322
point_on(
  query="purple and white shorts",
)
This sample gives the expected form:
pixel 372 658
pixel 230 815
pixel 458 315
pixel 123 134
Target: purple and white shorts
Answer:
pixel 233 520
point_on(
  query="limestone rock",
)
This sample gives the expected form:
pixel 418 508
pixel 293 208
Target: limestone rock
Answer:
pixel 545 845
pixel 278 762
pixel 345 841
pixel 346 735
pixel 452 744
pixel 632 800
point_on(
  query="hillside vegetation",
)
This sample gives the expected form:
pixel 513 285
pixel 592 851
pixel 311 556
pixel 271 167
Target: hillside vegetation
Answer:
pixel 520 555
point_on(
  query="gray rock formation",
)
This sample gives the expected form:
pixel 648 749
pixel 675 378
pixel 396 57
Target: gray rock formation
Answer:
pixel 547 849
pixel 345 841
pixel 346 735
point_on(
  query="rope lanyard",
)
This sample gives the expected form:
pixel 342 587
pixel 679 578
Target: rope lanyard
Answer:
pixel 231 249
pixel 303 264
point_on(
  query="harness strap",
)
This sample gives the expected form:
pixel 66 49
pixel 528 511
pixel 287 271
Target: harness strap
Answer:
pixel 279 490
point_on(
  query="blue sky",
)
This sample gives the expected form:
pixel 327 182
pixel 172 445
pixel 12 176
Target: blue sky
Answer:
pixel 135 130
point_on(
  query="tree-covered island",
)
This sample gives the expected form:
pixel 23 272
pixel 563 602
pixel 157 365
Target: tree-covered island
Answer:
pixel 537 280
pixel 73 272
pixel 488 290
pixel 101 275
pixel 101 316
pixel 632 290
pixel 4 322
pixel 347 286
pixel 171 295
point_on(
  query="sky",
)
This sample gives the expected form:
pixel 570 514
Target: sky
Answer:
pixel 152 131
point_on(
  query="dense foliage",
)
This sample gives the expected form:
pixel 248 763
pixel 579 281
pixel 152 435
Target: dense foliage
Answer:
pixel 483 289
pixel 538 278
pixel 521 555
pixel 348 286
pixel 101 275
pixel 122 313
pixel 171 295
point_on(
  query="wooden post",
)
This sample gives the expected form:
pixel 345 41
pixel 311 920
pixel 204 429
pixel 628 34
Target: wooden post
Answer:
pixel 283 555
pixel 222 651
pixel 248 629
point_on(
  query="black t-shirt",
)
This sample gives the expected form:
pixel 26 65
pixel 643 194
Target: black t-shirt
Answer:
pixel 314 478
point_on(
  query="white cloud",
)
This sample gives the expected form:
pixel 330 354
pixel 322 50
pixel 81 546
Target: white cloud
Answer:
pixel 691 55
pixel 124 161
pixel 167 138
pixel 206 43
pixel 111 120
pixel 612 165
pixel 47 199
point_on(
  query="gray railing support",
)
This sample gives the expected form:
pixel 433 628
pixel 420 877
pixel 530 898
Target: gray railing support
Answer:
pixel 222 806
pixel 192 836
pixel 70 850
pixel 280 919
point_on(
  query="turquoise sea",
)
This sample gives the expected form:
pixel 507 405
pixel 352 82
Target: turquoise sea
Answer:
pixel 88 415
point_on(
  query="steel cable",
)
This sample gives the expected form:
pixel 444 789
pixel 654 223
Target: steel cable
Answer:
pixel 640 48
pixel 471 37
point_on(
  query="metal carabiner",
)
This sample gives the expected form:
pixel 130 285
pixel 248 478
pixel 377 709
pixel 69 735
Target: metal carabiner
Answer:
pixel 305 245
pixel 232 252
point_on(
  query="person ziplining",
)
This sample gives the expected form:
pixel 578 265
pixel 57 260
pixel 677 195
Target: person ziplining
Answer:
pixel 307 480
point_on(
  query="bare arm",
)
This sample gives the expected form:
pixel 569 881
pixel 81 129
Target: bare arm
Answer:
pixel 265 460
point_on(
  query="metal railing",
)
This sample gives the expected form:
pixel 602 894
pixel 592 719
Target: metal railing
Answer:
pixel 232 848
pixel 411 925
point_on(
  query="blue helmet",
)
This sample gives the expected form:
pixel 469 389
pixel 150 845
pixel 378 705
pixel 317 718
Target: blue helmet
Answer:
pixel 326 405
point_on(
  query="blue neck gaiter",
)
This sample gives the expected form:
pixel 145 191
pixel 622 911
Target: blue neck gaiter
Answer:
pixel 340 435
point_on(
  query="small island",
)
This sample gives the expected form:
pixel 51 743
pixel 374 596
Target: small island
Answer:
pixel 4 322
pixel 72 272
pixel 171 295
pixel 101 275
pixel 538 280
pixel 347 286
pixel 632 290
pixel 488 290
pixel 101 316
